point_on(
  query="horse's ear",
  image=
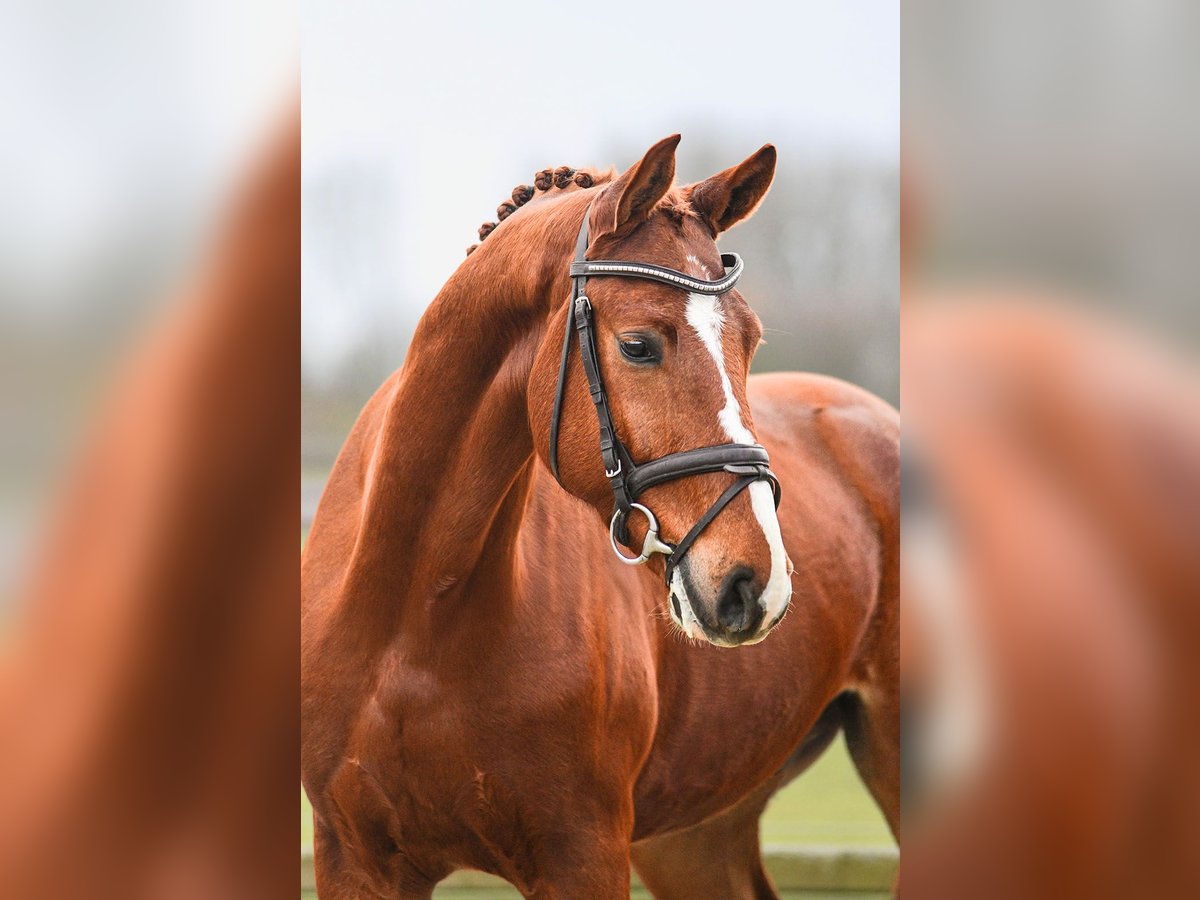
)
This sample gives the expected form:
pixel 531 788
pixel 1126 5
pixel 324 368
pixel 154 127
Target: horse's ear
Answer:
pixel 630 199
pixel 730 196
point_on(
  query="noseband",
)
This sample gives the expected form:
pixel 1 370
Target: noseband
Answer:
pixel 749 462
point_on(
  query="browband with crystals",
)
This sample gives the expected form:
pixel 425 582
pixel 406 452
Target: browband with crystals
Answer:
pixel 673 277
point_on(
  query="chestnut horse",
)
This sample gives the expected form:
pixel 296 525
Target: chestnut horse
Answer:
pixel 484 685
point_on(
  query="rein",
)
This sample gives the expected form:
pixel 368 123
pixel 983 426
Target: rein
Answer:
pixel 749 462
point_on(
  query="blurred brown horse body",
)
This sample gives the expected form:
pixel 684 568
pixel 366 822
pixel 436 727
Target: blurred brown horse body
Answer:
pixel 484 686
pixel 147 691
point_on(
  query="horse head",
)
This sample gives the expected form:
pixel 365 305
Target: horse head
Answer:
pixel 673 364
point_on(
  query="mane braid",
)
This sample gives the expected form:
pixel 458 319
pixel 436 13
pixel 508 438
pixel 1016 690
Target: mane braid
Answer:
pixel 564 178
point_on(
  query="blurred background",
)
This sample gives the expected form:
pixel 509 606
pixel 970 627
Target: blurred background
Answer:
pixel 149 345
pixel 125 129
pixel 420 119
pixel 1058 148
pixel 1051 483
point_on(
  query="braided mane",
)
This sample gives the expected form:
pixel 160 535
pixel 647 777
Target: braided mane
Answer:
pixel 564 178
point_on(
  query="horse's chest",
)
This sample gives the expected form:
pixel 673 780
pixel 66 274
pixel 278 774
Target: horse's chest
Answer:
pixel 470 764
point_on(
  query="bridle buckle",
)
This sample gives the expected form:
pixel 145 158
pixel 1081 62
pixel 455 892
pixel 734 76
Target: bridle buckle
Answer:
pixel 613 473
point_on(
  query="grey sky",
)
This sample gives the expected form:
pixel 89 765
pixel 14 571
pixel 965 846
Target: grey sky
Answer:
pixel 446 106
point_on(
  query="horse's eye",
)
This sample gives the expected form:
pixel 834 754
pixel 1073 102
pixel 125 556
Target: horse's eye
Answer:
pixel 637 349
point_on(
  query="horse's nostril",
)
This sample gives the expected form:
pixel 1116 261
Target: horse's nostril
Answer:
pixel 738 609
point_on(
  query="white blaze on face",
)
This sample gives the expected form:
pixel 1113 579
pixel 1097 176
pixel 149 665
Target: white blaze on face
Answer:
pixel 706 317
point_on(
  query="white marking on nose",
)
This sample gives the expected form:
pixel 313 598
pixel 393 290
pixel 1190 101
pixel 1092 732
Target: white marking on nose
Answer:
pixel 706 317
pixel 686 619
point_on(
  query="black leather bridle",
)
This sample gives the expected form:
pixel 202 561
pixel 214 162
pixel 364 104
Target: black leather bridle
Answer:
pixel 749 462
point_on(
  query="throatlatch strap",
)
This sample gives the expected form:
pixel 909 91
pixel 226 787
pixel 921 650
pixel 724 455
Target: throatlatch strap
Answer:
pixel 577 286
pixel 558 394
pixel 611 449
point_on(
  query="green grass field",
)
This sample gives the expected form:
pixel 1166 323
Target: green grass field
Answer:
pixel 826 806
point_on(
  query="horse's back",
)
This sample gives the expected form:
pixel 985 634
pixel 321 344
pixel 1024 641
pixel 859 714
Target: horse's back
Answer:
pixel 833 424
pixel 784 405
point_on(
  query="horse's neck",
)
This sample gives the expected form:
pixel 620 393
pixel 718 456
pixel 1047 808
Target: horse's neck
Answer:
pixel 451 458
